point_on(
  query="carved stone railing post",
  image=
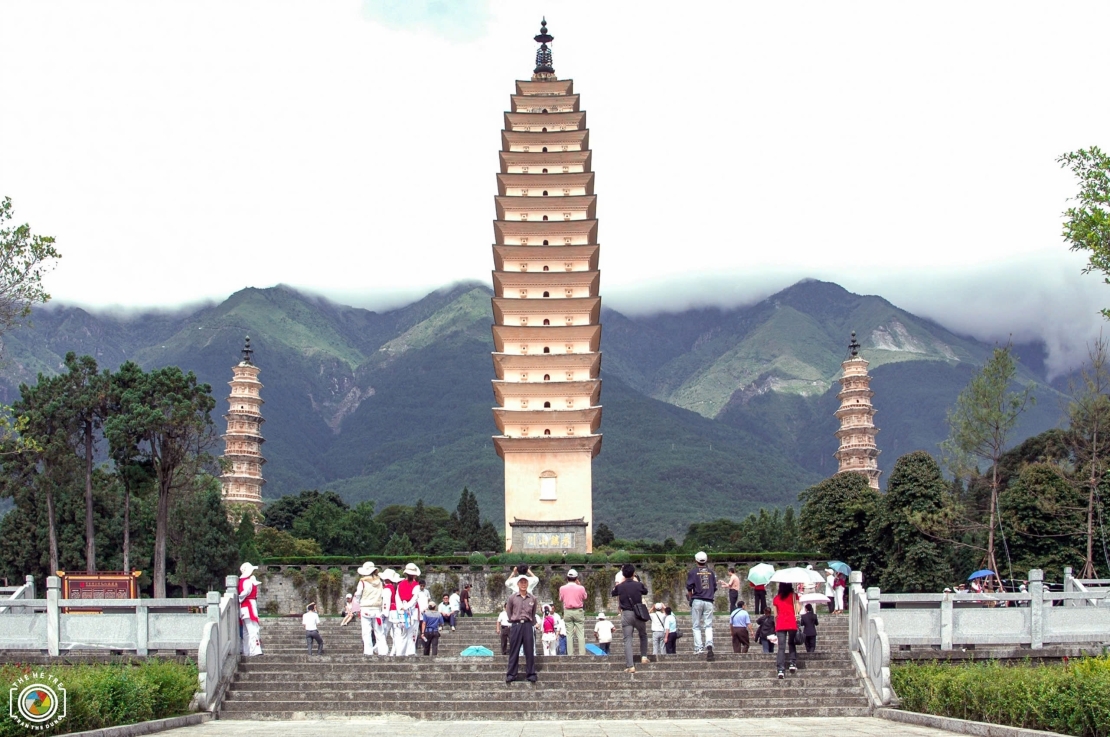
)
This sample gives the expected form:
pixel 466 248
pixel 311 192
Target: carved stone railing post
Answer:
pixel 1036 608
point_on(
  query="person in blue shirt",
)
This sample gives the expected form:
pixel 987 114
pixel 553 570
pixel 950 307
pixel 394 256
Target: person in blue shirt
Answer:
pixel 741 625
pixel 430 625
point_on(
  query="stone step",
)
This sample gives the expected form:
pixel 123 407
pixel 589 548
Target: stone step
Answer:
pixel 462 666
pixel 341 692
pixel 282 681
pixel 524 708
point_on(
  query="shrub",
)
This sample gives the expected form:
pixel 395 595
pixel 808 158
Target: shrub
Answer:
pixel 574 558
pixel 621 557
pixel 106 695
pixel 311 573
pixel 597 558
pixel 1069 698
pixel 477 559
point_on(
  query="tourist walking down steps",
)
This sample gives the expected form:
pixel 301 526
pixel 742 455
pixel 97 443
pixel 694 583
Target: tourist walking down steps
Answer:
pixel 630 594
pixel 701 587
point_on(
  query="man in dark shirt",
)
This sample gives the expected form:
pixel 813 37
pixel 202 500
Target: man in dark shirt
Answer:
pixel 701 587
pixel 521 608
pixel 464 601
pixel 631 591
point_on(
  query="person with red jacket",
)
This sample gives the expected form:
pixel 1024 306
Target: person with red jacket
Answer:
pixel 785 609
pixel 248 610
pixel 406 629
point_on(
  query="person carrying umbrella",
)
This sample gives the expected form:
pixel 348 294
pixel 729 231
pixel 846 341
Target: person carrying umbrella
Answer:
pixel 785 607
pixel 758 576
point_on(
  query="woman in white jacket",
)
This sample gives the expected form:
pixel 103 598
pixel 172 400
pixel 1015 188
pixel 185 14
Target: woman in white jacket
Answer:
pixel 374 610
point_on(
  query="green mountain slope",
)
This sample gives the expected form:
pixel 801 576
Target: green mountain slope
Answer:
pixel 708 412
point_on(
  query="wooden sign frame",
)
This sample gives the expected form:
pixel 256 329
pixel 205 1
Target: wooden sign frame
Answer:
pixel 99 585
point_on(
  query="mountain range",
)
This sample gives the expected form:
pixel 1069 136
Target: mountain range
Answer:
pixel 708 412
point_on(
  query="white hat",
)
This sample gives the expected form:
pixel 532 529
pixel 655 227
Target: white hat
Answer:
pixel 246 570
pixel 411 569
pixel 349 596
pixel 367 569
pixel 601 615
pixel 390 575
pixel 700 556
pixel 572 573
pixel 658 605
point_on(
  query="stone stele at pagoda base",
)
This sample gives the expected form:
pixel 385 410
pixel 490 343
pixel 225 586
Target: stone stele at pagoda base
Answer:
pixel 857 451
pixel 546 311
pixel 242 481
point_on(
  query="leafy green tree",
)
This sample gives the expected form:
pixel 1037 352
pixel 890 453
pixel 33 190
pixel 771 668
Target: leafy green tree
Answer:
pixel 244 539
pixel 24 259
pixel 836 518
pixel 980 423
pixel 1043 514
pixel 915 500
pixel 272 543
pixel 399 545
pixel 488 538
pixel 466 520
pixel 443 544
pixel 1089 436
pixel 88 392
pixel 283 513
pixel 203 544
pixel 166 414
pixel 603 535
pixel 1087 224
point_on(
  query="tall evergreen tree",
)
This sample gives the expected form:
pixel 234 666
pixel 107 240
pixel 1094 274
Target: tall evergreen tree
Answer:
pixel 836 516
pixel 1042 515
pixel 204 548
pixel 909 561
pixel 244 539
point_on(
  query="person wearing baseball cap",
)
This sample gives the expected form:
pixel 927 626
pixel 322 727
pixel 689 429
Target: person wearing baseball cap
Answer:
pixel 573 595
pixel 701 587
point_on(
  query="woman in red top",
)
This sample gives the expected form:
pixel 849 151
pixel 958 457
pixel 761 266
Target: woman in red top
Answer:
pixel 785 608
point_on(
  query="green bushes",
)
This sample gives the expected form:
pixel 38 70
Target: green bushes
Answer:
pixel 638 559
pixel 477 559
pixel 113 694
pixel 1070 698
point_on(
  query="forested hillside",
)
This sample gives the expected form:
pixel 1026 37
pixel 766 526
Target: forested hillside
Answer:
pixel 708 413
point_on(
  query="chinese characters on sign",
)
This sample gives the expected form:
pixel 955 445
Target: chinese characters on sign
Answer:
pixel 99 586
pixel 556 540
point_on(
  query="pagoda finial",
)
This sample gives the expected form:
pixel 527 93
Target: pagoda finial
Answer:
pixel 543 54
pixel 853 346
pixel 247 351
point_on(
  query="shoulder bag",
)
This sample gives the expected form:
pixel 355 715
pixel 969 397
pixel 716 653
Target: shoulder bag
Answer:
pixel 641 612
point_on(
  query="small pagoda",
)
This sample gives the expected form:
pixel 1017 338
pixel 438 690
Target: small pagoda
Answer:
pixel 547 311
pixel 858 452
pixel 242 481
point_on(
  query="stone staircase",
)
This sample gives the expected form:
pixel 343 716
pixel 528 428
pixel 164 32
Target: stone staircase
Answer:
pixel 287 684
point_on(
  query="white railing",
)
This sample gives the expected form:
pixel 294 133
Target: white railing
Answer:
pixel 868 641
pixel 14 593
pixel 209 626
pixel 218 654
pixel 1098 587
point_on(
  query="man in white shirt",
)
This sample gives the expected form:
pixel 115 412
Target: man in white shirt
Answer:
pixel 658 631
pixel 603 632
pixel 444 608
pixel 456 605
pixel 311 621
pixel 504 626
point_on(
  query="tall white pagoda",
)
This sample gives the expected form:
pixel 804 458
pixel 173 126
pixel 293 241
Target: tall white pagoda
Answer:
pixel 546 310
pixel 857 451
pixel 242 481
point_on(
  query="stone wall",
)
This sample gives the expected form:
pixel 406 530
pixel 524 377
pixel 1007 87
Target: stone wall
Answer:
pixel 285 590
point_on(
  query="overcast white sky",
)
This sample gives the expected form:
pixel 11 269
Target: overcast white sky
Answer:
pixel 180 151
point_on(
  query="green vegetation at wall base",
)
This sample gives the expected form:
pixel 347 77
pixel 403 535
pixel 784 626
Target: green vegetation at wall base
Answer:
pixel 383 561
pixel 110 695
pixel 1072 697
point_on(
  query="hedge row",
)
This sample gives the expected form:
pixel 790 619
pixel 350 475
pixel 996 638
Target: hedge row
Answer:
pixel 108 695
pixel 619 556
pixel 1069 698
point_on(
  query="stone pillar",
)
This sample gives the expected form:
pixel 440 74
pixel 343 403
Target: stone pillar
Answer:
pixel 30 581
pixel 1036 608
pixel 53 614
pixel 142 629
pixel 855 583
pixel 947 622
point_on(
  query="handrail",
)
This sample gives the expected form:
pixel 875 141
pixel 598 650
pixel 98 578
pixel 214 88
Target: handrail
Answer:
pixel 218 653
pixel 868 643
pixel 26 591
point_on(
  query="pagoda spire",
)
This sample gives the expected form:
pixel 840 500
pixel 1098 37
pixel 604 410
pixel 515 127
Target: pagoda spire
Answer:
pixel 247 352
pixel 543 69
pixel 858 452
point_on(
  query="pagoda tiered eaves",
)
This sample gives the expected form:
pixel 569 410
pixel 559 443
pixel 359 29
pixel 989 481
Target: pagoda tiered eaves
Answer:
pixel 858 452
pixel 242 481
pixel 546 304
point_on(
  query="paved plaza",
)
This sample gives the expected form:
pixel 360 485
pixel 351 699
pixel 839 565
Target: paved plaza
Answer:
pixel 826 727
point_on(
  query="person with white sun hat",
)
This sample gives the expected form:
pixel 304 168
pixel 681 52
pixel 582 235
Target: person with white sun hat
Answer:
pixel 248 610
pixel 407 627
pixel 373 609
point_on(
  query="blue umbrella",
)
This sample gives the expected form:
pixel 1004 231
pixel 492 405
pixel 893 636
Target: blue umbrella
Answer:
pixel 985 573
pixel 839 567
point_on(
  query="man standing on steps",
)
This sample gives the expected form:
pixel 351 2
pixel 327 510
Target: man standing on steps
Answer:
pixel 733 587
pixel 701 586
pixel 464 601
pixel 573 596
pixel 521 608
